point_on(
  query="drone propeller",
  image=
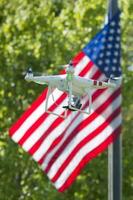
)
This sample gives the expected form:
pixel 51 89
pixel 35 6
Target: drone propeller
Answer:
pixel 115 79
pixel 29 71
pixel 67 67
pixel 71 63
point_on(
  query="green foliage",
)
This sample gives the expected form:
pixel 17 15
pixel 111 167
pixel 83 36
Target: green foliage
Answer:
pixel 45 34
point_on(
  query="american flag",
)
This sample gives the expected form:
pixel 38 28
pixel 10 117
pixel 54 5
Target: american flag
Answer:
pixel 63 147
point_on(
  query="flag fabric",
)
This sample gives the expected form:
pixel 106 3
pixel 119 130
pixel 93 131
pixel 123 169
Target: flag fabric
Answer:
pixel 63 147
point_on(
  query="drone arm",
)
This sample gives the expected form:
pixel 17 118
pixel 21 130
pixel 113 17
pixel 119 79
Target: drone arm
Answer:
pixel 39 80
pixel 49 92
pixel 47 97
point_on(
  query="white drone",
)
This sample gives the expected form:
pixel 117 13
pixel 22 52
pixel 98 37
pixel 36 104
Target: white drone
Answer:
pixel 75 86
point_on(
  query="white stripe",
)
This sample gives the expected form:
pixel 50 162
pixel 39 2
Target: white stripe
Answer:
pixel 61 128
pixel 86 149
pixel 82 64
pixel 80 136
pixel 50 138
pixel 92 73
pixel 33 118
pixel 40 109
pixel 41 130
pixel 77 121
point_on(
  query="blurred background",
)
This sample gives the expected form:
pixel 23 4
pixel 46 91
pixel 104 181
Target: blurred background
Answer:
pixel 44 34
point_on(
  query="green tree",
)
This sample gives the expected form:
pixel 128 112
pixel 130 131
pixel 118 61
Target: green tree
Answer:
pixel 44 34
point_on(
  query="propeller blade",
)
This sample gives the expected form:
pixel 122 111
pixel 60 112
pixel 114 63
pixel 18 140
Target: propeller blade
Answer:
pixel 29 70
pixel 116 80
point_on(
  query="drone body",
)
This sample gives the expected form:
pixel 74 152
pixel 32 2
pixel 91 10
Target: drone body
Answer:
pixel 75 86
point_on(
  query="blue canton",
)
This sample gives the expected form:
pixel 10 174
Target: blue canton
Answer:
pixel 104 48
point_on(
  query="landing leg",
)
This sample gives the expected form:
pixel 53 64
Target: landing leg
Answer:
pixel 49 92
pixel 90 101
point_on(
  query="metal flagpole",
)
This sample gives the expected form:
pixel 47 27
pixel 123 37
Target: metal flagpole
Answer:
pixel 115 149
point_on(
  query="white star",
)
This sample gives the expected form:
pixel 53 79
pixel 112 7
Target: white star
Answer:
pixel 116 53
pixel 113 23
pixel 118 30
pixel 114 60
pixel 109 46
pixel 117 46
pixel 108 53
pixel 103 40
pixel 94 56
pixel 112 75
pixel 88 50
pixel 107 61
pixel 103 47
pixel 110 38
pixel 96 41
pixel 118 38
pixel 106 69
pixel 112 30
pixel 104 32
pixel 100 62
pixel 95 49
pixel 101 55
pixel 119 69
pixel 113 69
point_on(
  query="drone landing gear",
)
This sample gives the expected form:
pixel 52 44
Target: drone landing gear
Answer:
pixel 71 109
pixel 77 104
pixel 49 92
pixel 74 104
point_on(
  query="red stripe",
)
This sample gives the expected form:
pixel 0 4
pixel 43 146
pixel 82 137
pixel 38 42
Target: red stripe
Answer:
pixel 55 124
pixel 40 120
pixel 52 146
pixel 77 58
pixel 98 73
pixel 89 157
pixel 79 146
pixel 45 115
pixel 86 69
pixel 45 134
pixel 98 92
pixel 82 125
pixel 34 106
pixel 28 112
pixel 36 103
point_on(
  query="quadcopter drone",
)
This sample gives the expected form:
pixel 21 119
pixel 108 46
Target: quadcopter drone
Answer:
pixel 75 86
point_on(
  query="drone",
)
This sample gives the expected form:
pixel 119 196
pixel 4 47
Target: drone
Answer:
pixel 75 86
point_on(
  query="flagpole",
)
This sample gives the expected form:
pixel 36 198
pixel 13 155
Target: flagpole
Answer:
pixel 115 149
